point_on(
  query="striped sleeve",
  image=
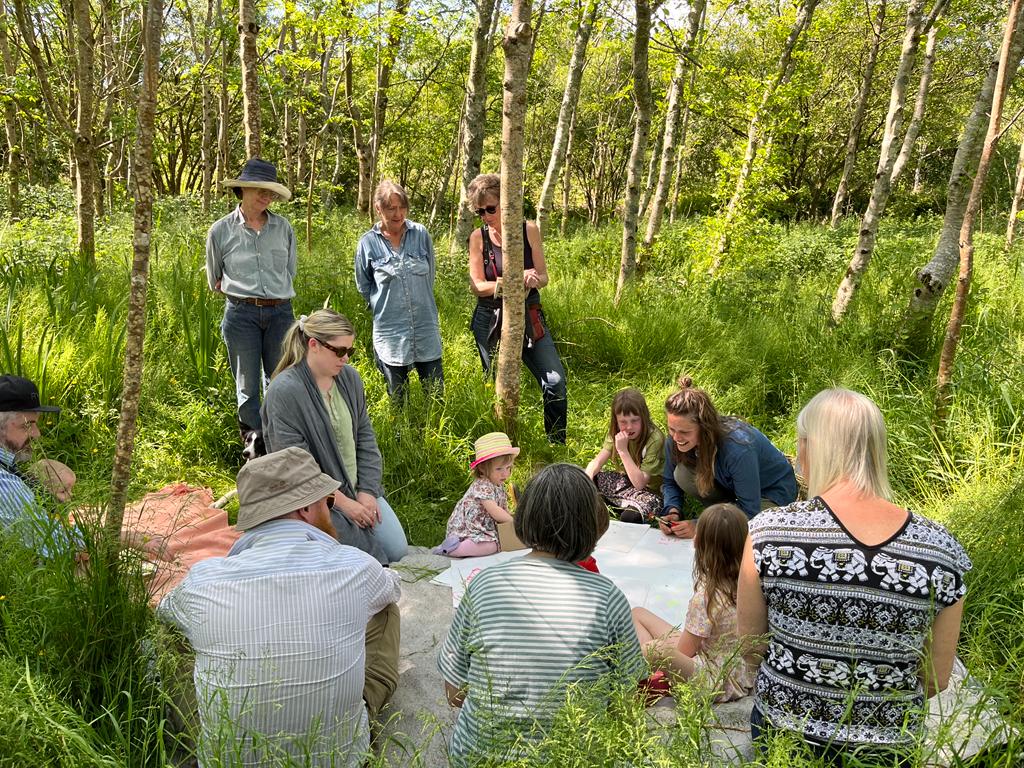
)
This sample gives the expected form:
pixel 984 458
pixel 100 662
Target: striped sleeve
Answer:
pixel 453 659
pixel 631 665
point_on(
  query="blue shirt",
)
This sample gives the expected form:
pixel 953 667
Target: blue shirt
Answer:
pixel 747 465
pixel 249 263
pixel 398 285
pixel 22 513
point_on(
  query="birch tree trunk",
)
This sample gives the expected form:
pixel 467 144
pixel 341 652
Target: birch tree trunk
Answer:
pixel 450 167
pixel 883 172
pixel 82 142
pixel 783 72
pixel 963 285
pixel 385 63
pixel 920 103
pixel 136 331
pixel 518 46
pixel 672 120
pixel 642 100
pixel 931 280
pixel 475 111
pixel 563 225
pixel 570 97
pixel 248 29
pixel 653 166
pixel 224 114
pixel 10 121
pixel 857 125
pixel 208 147
pixel 1018 193
pixel 362 148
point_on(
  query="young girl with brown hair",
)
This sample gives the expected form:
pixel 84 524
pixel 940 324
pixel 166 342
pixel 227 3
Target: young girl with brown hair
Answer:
pixel 634 446
pixel 706 646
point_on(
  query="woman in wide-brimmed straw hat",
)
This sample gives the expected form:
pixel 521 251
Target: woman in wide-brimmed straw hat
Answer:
pixel 251 259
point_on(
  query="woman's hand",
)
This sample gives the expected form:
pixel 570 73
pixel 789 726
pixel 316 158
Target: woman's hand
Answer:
pixel 355 510
pixel 369 501
pixel 531 279
pixel 671 525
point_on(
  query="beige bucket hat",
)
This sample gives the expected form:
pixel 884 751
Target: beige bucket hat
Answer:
pixel 279 483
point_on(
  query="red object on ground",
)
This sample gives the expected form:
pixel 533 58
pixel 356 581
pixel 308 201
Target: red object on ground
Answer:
pixel 655 687
pixel 589 563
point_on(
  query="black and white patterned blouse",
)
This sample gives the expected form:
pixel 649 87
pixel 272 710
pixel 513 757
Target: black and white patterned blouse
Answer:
pixel 848 622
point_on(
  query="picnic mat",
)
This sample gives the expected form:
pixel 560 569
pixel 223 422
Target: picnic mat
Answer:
pixel 653 570
pixel 195 530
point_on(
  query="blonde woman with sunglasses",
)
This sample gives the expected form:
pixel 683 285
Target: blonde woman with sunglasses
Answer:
pixel 317 402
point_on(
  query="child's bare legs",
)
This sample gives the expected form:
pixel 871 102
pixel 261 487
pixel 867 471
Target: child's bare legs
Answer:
pixel 659 641
pixel 470 548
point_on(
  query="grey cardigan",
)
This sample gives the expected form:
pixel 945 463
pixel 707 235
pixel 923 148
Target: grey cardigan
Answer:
pixel 294 413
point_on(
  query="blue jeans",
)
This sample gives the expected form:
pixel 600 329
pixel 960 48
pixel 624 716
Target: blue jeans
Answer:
pixel 541 358
pixel 389 532
pixel 253 336
pixel 397 377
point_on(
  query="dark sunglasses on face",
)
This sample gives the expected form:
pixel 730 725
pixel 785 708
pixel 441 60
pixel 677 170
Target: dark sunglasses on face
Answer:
pixel 339 351
pixel 489 210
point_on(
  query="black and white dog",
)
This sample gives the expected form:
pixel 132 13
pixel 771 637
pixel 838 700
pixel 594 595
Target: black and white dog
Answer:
pixel 254 446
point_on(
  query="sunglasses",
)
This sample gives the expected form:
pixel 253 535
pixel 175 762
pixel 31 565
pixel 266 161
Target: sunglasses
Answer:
pixel 339 351
pixel 489 210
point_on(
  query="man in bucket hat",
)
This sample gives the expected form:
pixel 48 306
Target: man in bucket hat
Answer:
pixel 251 258
pixel 295 635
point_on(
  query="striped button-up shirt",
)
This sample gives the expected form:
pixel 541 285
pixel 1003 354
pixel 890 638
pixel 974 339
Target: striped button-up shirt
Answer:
pixel 398 285
pixel 278 627
pixel 248 263
pixel 22 513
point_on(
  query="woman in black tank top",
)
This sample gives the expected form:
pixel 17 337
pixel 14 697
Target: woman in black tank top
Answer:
pixel 485 274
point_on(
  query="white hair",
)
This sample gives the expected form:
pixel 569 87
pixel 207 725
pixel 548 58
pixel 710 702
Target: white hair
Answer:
pixel 845 440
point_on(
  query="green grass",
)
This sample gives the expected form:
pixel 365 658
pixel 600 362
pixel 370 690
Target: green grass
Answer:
pixel 72 676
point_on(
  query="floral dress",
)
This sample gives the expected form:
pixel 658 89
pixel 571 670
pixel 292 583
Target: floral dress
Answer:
pixel 719 663
pixel 469 519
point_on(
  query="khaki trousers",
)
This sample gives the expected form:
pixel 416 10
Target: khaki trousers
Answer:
pixel 383 635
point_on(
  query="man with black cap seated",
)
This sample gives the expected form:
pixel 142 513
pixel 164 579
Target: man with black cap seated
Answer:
pixel 19 428
pixel 296 636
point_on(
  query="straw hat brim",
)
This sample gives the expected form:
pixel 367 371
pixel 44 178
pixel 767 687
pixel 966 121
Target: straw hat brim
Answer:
pixel 507 451
pixel 279 189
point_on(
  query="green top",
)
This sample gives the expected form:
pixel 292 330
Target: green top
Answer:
pixel 341 424
pixel 652 457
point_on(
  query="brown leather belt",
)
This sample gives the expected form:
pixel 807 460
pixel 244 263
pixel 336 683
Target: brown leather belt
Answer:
pixel 257 301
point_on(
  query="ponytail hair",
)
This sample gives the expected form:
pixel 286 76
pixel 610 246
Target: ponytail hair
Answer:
pixel 322 324
pixel 631 402
pixel 695 404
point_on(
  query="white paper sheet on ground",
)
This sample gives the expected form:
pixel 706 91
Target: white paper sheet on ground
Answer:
pixel 654 571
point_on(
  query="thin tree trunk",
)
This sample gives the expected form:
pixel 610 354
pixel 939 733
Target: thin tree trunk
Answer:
pixel 385 64
pixel 224 114
pixel 683 153
pixel 857 125
pixel 563 225
pixel 450 167
pixel 83 145
pixel 136 331
pixel 920 103
pixel 362 148
pixel 476 123
pixel 10 121
pixel 783 72
pixel 886 159
pixel 518 46
pixel 931 280
pixel 570 97
pixel 208 145
pixel 642 100
pixel 672 120
pixel 248 29
pixel 653 165
pixel 1018 193
pixel 963 286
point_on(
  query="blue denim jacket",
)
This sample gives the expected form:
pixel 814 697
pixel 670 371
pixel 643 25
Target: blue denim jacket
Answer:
pixel 399 288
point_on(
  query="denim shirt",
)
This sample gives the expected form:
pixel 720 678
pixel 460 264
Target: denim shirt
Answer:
pixel 398 286
pixel 249 263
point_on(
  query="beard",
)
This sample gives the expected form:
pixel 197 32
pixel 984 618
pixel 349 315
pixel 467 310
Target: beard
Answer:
pixel 22 452
pixel 323 523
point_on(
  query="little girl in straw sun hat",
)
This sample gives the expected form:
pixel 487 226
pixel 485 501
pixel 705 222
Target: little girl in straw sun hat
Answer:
pixel 473 525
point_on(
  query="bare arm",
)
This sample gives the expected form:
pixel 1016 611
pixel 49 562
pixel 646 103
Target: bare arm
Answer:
pixel 538 276
pixel 941 649
pixel 637 477
pixel 751 609
pixel 597 462
pixel 455 695
pixel 480 285
pixel 493 509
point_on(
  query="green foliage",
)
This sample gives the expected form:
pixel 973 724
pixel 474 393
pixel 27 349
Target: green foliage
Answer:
pixel 74 653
